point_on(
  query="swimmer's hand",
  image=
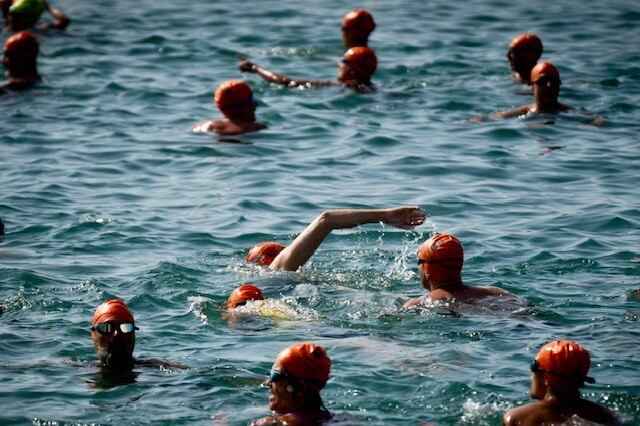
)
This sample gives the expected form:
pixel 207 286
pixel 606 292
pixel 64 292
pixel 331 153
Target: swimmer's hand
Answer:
pixel 405 217
pixel 246 65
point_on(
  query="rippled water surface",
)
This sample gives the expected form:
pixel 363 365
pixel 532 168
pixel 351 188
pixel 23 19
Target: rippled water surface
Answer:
pixel 106 193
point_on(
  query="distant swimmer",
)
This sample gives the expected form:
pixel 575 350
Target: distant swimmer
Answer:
pixel 24 14
pixel 113 332
pixel 523 54
pixel 557 374
pixel 20 61
pixel 296 379
pixel 545 79
pixel 296 254
pixel 234 98
pixel 357 25
pixel 440 260
pixel 1 227
pixel 241 295
pixel 355 70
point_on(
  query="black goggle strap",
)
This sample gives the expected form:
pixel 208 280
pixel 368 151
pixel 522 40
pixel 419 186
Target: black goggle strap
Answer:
pixel 440 262
pixel 535 368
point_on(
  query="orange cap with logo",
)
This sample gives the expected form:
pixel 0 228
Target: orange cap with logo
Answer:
pixel 306 361
pixel 568 360
pixel 233 93
pixel 362 59
pixel 23 44
pixel 242 294
pixel 526 41
pixel 112 310
pixel 444 251
pixel 264 253
pixel 544 69
pixel 360 20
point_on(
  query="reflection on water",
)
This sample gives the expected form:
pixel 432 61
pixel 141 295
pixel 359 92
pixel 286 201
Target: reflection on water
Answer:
pixel 105 379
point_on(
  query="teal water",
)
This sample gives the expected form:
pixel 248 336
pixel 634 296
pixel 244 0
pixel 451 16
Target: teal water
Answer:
pixel 106 193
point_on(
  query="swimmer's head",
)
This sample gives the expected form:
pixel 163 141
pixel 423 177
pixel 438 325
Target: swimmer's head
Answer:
pixel 358 64
pixel 264 253
pixel 440 259
pixel 307 362
pixel 113 334
pixel 356 27
pixel 545 70
pixel 235 100
pixel 243 294
pixel 564 365
pixel 545 79
pixel 524 51
pixel 22 46
pixel 24 14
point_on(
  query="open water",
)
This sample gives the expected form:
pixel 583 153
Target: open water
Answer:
pixel 106 193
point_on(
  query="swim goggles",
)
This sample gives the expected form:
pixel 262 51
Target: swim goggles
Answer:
pixel 109 327
pixel 247 102
pixel 548 81
pixel 535 368
pixel 440 262
pixel 276 376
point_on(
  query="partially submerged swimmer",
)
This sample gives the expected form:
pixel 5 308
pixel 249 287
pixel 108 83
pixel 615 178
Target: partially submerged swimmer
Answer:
pixel 20 61
pixel 290 258
pixel 24 14
pixel 297 376
pixel 355 71
pixel 557 374
pixel 440 260
pixel 357 25
pixel 113 332
pixel 545 79
pixel 234 98
pixel 523 54
pixel 241 295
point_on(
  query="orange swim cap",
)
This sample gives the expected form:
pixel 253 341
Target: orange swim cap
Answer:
pixel 544 69
pixel 527 41
pixel 306 361
pixel 264 253
pixel 233 93
pixel 23 44
pixel 360 20
pixel 362 59
pixel 443 250
pixel 242 294
pixel 114 309
pixel 564 363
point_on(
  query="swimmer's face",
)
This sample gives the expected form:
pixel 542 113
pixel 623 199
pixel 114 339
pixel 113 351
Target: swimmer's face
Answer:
pixel 538 386
pixel 115 349
pixel 522 59
pixel 285 396
pixel 353 37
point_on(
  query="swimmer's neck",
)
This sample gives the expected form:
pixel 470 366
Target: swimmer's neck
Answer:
pixel 449 286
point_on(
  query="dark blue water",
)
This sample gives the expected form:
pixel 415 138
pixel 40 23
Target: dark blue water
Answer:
pixel 106 193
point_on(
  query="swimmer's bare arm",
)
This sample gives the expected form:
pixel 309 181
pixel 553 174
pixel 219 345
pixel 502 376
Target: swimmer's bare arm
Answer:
pixel 510 113
pixel 273 77
pixel 302 248
pixel 60 19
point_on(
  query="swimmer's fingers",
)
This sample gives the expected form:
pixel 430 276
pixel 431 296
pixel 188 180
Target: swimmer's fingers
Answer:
pixel 406 217
pixel 246 65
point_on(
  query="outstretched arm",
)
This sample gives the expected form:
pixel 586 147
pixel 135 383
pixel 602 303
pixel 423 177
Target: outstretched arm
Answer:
pixel 246 65
pixel 302 248
pixel 60 19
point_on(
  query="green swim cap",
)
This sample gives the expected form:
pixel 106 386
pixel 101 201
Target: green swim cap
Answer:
pixel 28 7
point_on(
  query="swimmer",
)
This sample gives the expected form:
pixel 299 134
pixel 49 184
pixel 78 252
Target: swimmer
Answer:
pixel 297 376
pixel 357 25
pixel 241 295
pixel 557 374
pixel 523 54
pixel 440 260
pixel 545 79
pixel 24 14
pixel 234 99
pixel 20 56
pixel 113 332
pixel 1 227
pixel 355 70
pixel 290 258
